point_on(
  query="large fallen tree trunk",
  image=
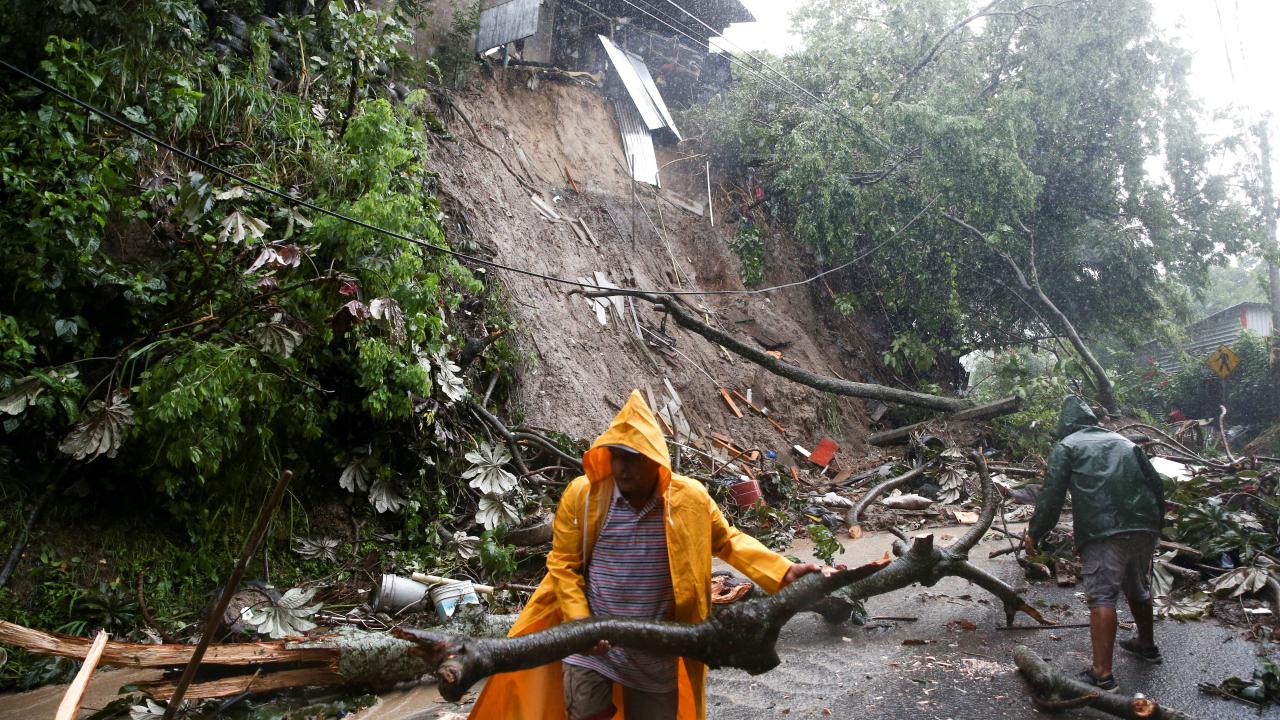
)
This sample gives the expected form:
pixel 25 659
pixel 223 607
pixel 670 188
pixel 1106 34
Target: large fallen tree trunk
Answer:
pixel 1003 406
pixel 741 635
pixel 1053 691
pixel 346 656
pixel 836 386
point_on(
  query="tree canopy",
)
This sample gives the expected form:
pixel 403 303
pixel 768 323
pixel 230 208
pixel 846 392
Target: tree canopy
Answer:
pixel 1059 138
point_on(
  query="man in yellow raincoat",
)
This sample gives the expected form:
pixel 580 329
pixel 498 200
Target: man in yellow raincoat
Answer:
pixel 627 479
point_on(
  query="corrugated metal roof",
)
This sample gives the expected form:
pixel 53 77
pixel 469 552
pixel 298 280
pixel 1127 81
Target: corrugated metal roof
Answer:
pixel 508 22
pixel 637 143
pixel 1220 328
pixel 640 86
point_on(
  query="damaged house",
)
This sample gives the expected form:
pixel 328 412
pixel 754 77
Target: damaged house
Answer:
pixel 651 56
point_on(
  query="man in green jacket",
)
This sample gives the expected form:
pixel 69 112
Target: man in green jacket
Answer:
pixel 1117 512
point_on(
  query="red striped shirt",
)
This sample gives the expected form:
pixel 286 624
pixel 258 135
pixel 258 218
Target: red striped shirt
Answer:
pixel 629 576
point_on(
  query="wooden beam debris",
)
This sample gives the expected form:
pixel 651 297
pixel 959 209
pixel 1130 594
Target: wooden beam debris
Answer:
pixel 70 705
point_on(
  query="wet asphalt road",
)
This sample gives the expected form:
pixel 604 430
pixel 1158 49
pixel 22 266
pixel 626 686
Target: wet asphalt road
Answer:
pixel 867 672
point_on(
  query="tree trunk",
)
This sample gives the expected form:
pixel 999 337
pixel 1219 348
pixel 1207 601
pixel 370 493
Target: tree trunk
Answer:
pixel 1102 383
pixel 1272 253
pixel 835 386
pixel 1003 406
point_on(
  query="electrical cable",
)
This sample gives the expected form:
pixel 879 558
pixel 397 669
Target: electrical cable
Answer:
pixel 290 199
pixel 885 146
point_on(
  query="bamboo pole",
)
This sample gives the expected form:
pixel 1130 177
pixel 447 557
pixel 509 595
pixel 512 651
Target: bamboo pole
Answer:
pixel 233 583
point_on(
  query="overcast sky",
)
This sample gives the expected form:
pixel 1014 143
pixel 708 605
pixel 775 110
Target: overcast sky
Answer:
pixel 1234 42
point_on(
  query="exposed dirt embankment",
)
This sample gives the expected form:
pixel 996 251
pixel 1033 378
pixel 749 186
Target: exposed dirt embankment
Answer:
pixel 548 131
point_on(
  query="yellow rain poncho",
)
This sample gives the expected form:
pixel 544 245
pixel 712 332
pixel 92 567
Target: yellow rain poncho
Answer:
pixel 696 530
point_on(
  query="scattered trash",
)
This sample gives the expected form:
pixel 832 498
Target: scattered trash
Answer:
pixel 395 594
pixel 907 502
pixel 833 500
pixel 824 452
pixel 451 597
pixel 965 517
pixel 746 493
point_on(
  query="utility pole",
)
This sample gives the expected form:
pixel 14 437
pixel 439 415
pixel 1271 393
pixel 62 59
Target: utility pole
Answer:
pixel 1272 251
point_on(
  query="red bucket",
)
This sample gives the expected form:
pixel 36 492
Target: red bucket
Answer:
pixel 746 493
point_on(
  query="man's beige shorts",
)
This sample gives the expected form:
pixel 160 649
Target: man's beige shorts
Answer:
pixel 588 695
pixel 1116 564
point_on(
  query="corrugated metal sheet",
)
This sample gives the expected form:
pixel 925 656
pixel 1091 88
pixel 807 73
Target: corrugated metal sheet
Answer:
pixel 508 22
pixel 637 143
pixel 639 84
pixel 651 89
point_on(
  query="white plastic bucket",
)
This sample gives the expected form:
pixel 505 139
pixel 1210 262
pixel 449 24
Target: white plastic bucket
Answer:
pixel 449 597
pixel 396 594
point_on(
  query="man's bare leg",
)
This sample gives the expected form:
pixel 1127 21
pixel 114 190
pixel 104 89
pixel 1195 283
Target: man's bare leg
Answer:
pixel 1144 619
pixel 1102 631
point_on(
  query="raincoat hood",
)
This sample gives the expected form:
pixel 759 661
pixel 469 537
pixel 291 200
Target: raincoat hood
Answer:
pixel 1075 416
pixel 636 427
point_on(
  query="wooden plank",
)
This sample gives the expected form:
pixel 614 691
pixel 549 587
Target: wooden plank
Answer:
pixel 587 228
pixel 70 704
pixel 761 412
pixel 729 401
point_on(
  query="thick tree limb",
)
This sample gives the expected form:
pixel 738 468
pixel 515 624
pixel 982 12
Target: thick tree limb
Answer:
pixel 854 516
pixel 835 386
pixel 1056 691
pixel 1003 406
pixel 1106 394
pixel 742 635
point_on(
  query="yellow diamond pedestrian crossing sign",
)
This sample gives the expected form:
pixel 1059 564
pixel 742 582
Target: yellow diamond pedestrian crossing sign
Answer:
pixel 1223 361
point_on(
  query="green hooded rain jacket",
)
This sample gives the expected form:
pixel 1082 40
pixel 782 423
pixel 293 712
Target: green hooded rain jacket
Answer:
pixel 1114 488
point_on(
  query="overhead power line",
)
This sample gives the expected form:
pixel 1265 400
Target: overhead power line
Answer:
pixel 300 202
pixel 784 76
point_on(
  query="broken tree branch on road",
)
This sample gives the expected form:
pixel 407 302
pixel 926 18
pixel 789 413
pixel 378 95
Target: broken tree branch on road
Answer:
pixel 743 635
pixel 1052 691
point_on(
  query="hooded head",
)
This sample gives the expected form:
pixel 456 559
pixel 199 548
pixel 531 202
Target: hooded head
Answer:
pixel 1076 415
pixel 634 428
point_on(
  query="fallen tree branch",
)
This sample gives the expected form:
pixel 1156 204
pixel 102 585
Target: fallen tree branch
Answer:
pixel 835 386
pixel 1056 691
pixel 854 516
pixel 517 452
pixel 1222 430
pixel 742 635
pixel 1003 406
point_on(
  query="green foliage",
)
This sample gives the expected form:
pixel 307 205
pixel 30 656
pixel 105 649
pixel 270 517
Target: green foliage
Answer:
pixel 194 336
pixel 825 544
pixel 909 353
pixel 749 245
pixel 1262 688
pixel 497 559
pixel 1040 381
pixel 1033 128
